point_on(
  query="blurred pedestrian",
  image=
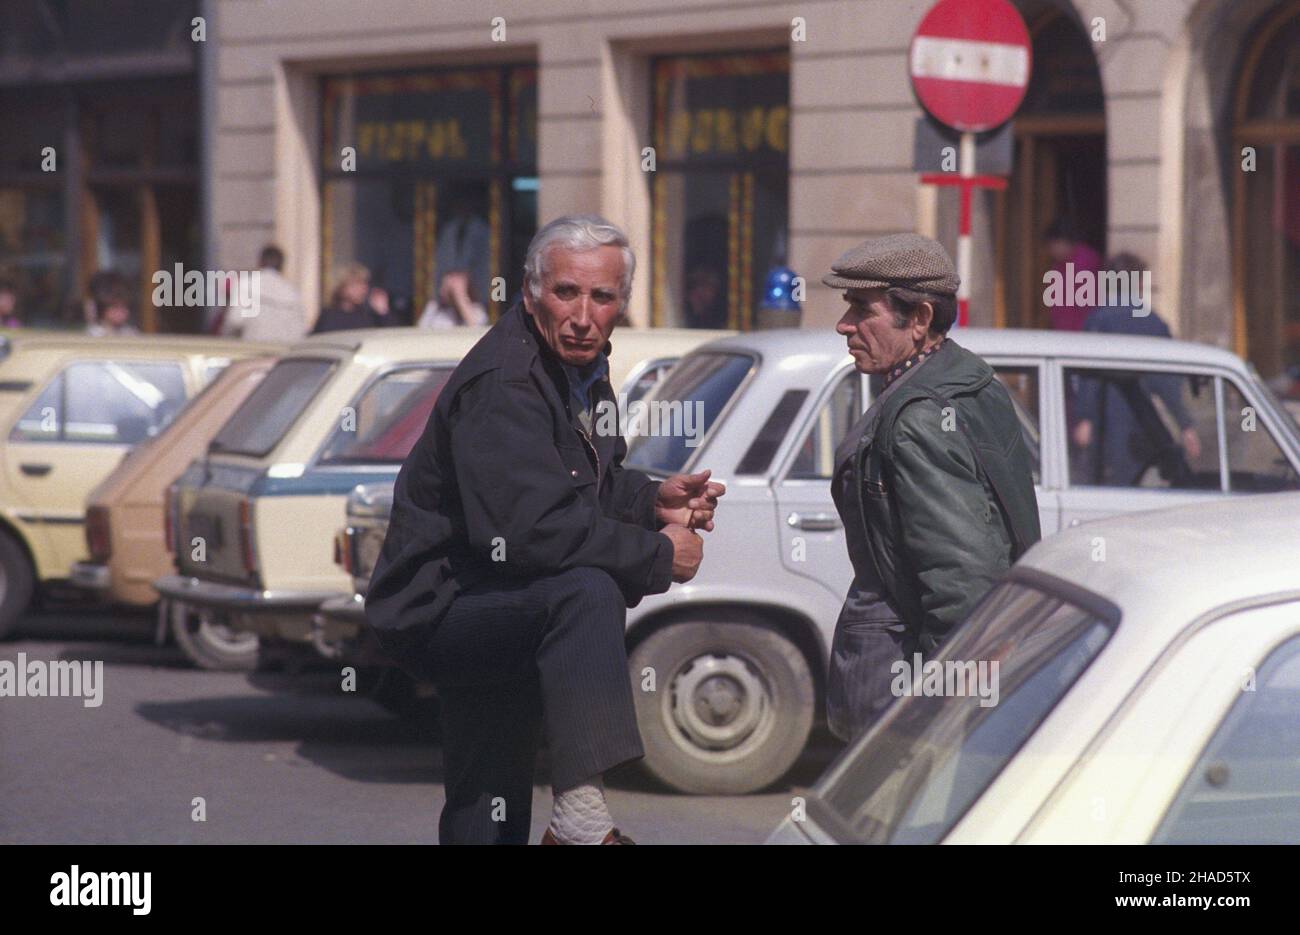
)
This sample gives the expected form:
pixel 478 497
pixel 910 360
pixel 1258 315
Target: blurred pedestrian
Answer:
pixel 933 484
pixel 110 299
pixel 1102 406
pixel 274 313
pixel 455 306
pixel 706 305
pixel 352 303
pixel 1070 256
pixel 9 316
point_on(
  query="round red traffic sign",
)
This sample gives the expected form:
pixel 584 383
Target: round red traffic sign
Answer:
pixel 970 63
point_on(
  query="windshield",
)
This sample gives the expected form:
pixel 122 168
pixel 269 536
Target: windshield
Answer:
pixel 267 414
pixel 912 776
pixel 691 396
pixel 389 419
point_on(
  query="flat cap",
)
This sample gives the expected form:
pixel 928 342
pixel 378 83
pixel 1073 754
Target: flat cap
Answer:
pixel 907 260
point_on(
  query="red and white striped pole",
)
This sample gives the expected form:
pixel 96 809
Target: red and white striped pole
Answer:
pixel 966 168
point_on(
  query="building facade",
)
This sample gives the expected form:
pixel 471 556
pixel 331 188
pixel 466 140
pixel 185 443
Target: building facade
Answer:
pixel 731 137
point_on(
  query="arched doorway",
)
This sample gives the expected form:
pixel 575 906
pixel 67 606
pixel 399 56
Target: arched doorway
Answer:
pixel 1266 199
pixel 1060 163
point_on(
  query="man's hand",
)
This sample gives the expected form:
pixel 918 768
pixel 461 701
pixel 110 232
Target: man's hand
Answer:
pixel 688 550
pixel 688 500
pixel 1191 443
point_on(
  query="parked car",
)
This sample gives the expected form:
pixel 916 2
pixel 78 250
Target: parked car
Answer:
pixel 71 407
pixel 740 652
pixel 339 410
pixel 125 536
pixel 1147 696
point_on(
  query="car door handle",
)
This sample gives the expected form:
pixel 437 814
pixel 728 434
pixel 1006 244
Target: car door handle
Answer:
pixel 817 522
pixel 35 470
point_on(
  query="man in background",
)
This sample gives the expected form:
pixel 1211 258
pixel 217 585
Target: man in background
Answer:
pixel 274 313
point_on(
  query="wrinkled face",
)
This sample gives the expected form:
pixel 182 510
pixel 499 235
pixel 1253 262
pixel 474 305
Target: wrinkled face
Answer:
pixel 580 301
pixel 874 339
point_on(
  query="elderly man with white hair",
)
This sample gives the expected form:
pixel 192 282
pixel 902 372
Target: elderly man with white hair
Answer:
pixel 517 543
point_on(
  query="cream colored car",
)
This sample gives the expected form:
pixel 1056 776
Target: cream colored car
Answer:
pixel 71 407
pixel 256 518
pixel 1146 691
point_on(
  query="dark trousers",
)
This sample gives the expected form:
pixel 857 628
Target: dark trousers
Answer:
pixel 514 660
pixel 858 686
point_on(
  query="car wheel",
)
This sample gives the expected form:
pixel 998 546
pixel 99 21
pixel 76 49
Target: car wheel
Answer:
pixel 731 709
pixel 209 643
pixel 17 582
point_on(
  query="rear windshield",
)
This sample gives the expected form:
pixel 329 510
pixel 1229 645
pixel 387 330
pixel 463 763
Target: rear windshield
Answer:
pixel 911 778
pixel 266 415
pixel 388 419
pixel 690 399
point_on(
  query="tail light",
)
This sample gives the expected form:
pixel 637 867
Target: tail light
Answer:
pixel 343 549
pixel 170 532
pixel 98 542
pixel 246 544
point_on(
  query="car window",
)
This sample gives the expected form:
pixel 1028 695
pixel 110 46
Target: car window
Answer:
pixel 763 448
pixel 213 367
pixel 1022 385
pixel 910 778
pixel 267 413
pixel 390 416
pixel 649 378
pixel 1256 463
pixel 815 457
pixel 698 389
pixel 1245 786
pixel 104 402
pixel 1130 427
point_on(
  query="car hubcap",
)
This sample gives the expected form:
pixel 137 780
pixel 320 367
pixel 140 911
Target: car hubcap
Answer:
pixel 215 633
pixel 719 702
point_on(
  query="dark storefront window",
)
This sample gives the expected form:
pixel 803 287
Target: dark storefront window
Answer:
pixel 1267 251
pixel 445 178
pixel 110 90
pixel 722 145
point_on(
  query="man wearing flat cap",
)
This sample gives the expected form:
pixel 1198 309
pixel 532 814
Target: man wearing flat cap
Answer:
pixel 933 484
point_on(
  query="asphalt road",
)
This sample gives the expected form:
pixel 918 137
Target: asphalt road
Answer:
pixel 276 757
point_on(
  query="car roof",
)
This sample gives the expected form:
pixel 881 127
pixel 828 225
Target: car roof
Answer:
pixel 825 343
pixel 1167 567
pixel 396 344
pixel 196 343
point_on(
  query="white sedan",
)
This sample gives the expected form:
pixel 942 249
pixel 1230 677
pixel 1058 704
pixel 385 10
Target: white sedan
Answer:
pixel 1146 690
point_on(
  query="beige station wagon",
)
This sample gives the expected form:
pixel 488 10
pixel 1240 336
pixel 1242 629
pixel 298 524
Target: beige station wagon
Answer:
pixel 71 407
pixel 125 518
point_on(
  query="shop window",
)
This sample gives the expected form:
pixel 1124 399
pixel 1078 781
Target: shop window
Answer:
pixel 444 179
pixel 721 185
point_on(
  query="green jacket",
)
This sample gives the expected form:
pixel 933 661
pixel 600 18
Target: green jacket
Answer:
pixel 937 535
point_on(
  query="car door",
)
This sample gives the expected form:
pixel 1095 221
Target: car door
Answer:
pixel 73 432
pixel 1024 382
pixel 812 537
pixel 1136 436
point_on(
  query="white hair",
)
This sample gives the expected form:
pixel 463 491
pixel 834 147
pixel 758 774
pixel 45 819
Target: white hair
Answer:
pixel 576 232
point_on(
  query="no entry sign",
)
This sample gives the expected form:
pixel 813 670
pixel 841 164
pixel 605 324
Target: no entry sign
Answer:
pixel 970 63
